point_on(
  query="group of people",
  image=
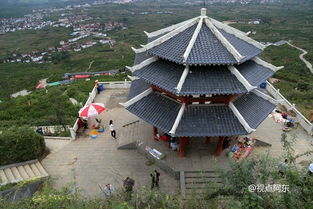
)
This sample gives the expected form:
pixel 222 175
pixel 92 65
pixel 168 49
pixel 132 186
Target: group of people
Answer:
pixel 129 183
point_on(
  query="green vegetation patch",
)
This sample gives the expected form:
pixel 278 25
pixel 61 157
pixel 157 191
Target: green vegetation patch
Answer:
pixel 18 144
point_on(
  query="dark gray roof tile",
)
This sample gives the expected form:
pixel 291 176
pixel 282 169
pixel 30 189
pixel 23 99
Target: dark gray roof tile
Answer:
pixel 174 48
pixel 206 120
pixel 244 48
pixel 211 80
pixel 137 86
pixel 253 108
pixel 254 73
pixel 209 50
pixel 140 57
pixel 200 80
pixel 157 110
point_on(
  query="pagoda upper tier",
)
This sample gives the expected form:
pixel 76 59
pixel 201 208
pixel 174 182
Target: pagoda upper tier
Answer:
pixel 202 41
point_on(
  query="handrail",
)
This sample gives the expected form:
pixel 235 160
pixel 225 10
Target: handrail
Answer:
pixel 304 122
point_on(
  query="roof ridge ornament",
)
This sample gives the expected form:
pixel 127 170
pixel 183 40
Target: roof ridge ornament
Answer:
pixel 238 57
pixel 203 12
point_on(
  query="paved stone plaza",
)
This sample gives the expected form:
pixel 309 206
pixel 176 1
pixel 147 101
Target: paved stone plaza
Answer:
pixel 90 162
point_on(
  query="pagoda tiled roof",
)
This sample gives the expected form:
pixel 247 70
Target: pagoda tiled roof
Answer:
pixel 202 120
pixel 140 57
pixel 202 41
pixel 245 49
pixel 253 108
pixel 200 79
pixel 209 120
pixel 137 87
pixel 157 110
pixel 254 73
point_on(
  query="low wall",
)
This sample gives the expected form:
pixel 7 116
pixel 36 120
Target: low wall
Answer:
pixel 303 121
pixel 93 94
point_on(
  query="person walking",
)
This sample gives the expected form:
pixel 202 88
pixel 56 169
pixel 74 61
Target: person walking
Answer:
pixel 283 167
pixel 113 132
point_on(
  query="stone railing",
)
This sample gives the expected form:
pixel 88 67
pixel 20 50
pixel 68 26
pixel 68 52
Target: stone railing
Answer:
pixel 303 121
pixel 93 94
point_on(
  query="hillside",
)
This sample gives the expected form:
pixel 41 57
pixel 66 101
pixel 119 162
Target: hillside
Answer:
pixel 277 22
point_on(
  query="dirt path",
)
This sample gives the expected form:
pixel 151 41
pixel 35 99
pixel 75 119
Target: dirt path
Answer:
pixel 304 52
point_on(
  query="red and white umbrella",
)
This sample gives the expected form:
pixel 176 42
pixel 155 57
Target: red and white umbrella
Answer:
pixel 92 110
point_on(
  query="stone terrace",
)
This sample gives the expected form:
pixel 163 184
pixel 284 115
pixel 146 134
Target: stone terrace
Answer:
pixel 89 162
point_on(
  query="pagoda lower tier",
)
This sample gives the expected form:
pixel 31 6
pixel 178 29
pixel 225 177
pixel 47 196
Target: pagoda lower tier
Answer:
pixel 239 116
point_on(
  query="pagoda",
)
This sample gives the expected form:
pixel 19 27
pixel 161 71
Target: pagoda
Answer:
pixel 200 78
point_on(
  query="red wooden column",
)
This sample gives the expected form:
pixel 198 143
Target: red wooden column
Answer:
pixel 182 145
pixel 219 148
pixel 207 139
pixel 155 132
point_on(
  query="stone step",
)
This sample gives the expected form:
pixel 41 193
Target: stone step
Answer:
pixel 203 186
pixel 29 171
pixel 16 173
pixel 4 179
pixel 41 169
pixel 35 170
pixel 194 174
pixel 10 175
pixel 23 173
pixel 198 182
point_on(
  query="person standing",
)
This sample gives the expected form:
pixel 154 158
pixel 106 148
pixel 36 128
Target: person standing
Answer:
pixel 152 175
pixel 128 184
pixel 283 167
pixel 157 178
pixel 108 190
pixel 113 132
pixel 97 86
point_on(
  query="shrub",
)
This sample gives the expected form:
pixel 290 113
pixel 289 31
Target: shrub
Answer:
pixel 19 144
